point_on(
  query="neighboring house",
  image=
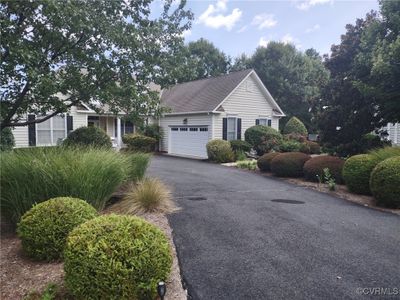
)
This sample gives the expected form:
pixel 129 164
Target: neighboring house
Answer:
pixel 393 131
pixel 214 108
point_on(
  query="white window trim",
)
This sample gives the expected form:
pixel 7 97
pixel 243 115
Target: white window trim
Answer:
pixel 266 119
pixel 51 131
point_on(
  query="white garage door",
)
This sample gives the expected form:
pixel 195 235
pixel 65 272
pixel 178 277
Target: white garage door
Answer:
pixel 188 141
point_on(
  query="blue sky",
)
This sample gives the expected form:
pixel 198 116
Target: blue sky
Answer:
pixel 240 26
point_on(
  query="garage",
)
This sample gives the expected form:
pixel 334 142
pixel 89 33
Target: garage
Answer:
pixel 188 141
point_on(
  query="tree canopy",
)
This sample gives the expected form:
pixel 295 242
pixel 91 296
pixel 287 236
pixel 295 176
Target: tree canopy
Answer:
pixel 55 54
pixel 293 78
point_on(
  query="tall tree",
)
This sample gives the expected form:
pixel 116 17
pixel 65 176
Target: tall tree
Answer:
pixel 197 60
pixel 55 54
pixel 292 77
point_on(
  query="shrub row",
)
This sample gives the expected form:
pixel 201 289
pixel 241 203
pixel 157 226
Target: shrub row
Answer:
pixel 112 256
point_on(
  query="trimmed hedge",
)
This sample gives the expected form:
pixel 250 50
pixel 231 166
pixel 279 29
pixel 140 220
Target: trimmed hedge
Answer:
pixel 88 137
pixel 385 183
pixel 45 227
pixel 294 125
pixel 139 143
pixel 289 164
pixel 264 162
pixel 220 151
pixel 263 138
pixel 316 165
pixel 314 147
pixel 356 173
pixel 240 146
pixel 116 257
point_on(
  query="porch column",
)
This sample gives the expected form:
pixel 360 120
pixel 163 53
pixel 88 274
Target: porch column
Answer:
pixel 119 139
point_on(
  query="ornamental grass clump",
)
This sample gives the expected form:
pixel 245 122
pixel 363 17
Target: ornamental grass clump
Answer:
pixel 44 228
pixel 147 195
pixel 116 257
pixel 33 175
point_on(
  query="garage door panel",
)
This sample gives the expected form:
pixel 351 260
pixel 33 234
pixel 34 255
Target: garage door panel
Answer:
pixel 189 141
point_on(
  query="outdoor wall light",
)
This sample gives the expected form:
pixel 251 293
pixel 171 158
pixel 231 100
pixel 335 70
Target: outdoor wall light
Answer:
pixel 161 289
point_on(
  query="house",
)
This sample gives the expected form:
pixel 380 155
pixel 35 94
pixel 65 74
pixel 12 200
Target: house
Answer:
pixel 213 108
pixel 393 131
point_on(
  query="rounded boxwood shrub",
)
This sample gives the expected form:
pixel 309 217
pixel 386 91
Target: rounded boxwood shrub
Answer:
pixel 7 141
pixel 289 146
pixel 294 125
pixel 385 182
pixel 220 151
pixel 88 136
pixel 264 162
pixel 263 138
pixel 116 257
pixel 316 165
pixel 289 164
pixel 314 147
pixel 356 172
pixel 240 146
pixel 139 143
pixel 44 228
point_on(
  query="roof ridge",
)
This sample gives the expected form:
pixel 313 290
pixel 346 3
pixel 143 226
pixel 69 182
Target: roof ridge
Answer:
pixel 208 78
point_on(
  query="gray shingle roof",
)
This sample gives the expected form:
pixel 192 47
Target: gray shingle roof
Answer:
pixel 202 95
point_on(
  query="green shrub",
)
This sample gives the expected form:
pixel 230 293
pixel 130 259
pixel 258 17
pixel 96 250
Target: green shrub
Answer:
pixel 247 164
pixel 139 143
pixel 314 147
pixel 294 125
pixel 7 141
pixel 220 151
pixel 305 148
pixel 264 162
pixel 240 155
pixel 289 146
pixel 289 164
pixel 385 183
pixel 296 137
pixel 88 137
pixel 116 257
pixel 263 138
pixel 385 153
pixel 356 172
pixel 153 130
pixel 240 146
pixel 33 175
pixel 316 165
pixel 44 228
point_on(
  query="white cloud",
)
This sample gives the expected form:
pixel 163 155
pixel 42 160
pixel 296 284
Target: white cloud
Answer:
pixel 186 33
pixel 289 39
pixel 243 29
pixel 264 21
pixel 313 28
pixel 307 4
pixel 213 17
pixel 263 42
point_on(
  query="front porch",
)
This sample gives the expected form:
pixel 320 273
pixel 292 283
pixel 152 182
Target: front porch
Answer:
pixel 114 126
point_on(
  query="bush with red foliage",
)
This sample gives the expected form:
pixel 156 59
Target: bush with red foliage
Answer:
pixel 316 165
pixel 289 164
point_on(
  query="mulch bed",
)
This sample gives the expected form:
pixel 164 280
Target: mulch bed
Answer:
pixel 21 276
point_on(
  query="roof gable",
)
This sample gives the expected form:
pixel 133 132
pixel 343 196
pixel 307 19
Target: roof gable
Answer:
pixel 202 95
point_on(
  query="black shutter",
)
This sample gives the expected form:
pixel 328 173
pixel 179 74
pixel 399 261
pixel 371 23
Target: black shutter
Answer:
pixel 239 129
pixel 269 122
pixel 115 127
pixel 70 124
pixel 257 121
pixel 32 131
pixel 225 129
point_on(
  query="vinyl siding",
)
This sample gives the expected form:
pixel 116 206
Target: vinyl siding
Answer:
pixel 21 136
pixel 393 131
pixel 247 102
pixel 78 119
pixel 167 121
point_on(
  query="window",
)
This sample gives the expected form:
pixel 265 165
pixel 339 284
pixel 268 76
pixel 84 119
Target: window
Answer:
pixel 231 129
pixel 183 129
pixel 174 129
pixel 265 122
pixel 203 129
pixel 51 131
pixel 193 129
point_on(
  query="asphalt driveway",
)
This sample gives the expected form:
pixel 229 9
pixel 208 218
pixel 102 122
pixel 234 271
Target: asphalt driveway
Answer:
pixel 233 242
